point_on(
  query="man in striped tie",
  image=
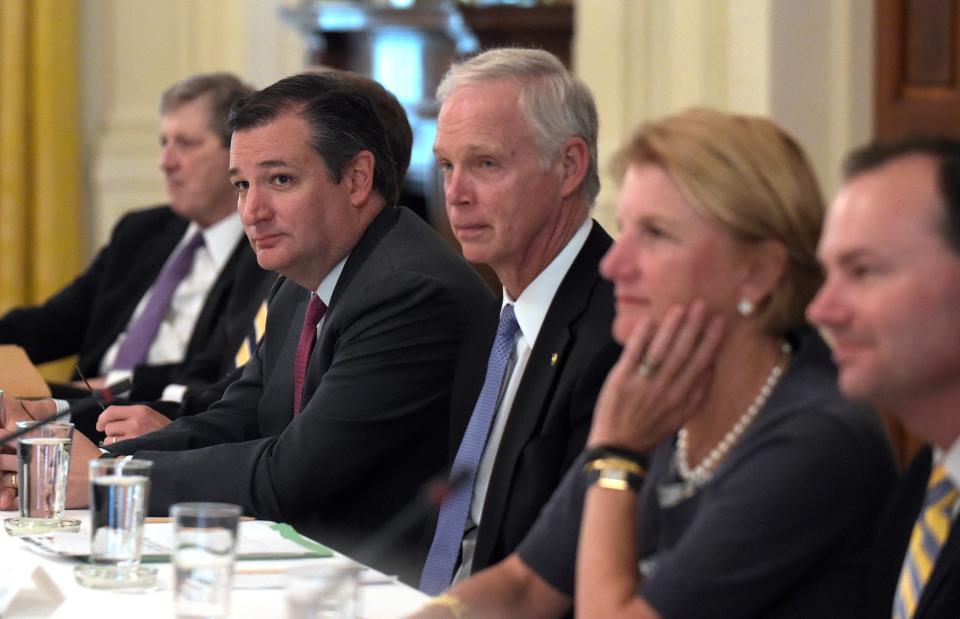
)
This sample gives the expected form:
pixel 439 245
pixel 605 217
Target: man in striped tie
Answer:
pixel 891 249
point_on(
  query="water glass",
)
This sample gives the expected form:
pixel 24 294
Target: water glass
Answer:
pixel 205 539
pixel 119 492
pixel 43 466
pixel 329 590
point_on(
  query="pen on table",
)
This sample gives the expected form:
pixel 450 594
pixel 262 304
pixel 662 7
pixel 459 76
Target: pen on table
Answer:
pixel 367 576
pixel 93 393
pixel 24 407
pixel 166 519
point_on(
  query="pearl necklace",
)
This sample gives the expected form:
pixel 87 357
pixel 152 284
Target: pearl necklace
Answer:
pixel 704 471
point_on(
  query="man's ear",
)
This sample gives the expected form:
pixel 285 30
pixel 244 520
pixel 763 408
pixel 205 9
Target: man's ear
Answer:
pixel 765 267
pixel 576 161
pixel 359 177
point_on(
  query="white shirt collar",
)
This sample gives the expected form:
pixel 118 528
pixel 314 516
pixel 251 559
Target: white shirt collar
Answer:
pixel 329 283
pixel 533 303
pixel 950 460
pixel 219 239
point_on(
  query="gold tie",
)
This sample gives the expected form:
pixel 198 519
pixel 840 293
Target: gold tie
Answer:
pixel 929 534
pixel 253 336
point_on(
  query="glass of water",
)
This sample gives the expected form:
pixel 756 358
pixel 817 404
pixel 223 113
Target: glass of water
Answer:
pixel 329 590
pixel 205 539
pixel 43 465
pixel 119 494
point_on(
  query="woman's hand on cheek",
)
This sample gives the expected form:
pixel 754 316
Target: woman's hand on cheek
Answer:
pixel 660 380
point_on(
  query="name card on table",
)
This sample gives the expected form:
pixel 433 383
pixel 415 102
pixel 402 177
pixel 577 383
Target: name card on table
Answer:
pixel 28 590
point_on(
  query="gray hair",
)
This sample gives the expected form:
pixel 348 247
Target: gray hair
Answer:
pixel 555 103
pixel 224 89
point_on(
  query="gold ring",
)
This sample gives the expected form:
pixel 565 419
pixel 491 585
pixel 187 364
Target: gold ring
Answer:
pixel 647 368
pixel 13 480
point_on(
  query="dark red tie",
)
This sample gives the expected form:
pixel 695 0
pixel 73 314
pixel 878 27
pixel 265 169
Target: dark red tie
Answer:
pixel 308 338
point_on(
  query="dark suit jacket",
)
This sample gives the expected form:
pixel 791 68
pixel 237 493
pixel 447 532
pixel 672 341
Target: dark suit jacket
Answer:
pixel 941 595
pixel 551 413
pixel 374 421
pixel 88 315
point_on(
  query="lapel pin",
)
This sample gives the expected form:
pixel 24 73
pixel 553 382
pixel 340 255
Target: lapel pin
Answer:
pixel 553 358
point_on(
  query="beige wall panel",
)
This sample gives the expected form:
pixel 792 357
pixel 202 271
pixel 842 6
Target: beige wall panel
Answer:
pixel 807 65
pixel 132 50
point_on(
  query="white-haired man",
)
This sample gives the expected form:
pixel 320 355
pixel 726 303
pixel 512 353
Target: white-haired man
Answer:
pixel 516 143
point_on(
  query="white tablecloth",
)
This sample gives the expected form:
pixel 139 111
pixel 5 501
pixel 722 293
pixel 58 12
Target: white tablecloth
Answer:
pixel 378 601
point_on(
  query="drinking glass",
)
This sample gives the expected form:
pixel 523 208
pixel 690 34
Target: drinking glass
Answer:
pixel 43 465
pixel 205 539
pixel 119 491
pixel 324 591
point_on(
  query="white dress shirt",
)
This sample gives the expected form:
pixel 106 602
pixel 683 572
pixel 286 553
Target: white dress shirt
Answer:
pixel 951 462
pixel 326 288
pixel 170 343
pixel 531 309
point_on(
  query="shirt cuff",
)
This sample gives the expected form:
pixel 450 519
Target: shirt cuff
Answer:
pixel 173 393
pixel 117 376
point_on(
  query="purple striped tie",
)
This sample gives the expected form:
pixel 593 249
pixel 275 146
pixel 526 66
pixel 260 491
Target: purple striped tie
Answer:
pixel 140 335
pixel 445 549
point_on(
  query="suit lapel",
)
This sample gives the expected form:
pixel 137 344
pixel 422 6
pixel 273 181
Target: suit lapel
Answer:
pixel 143 271
pixel 279 350
pixel 214 305
pixel 944 573
pixel 471 372
pixel 322 355
pixel 534 395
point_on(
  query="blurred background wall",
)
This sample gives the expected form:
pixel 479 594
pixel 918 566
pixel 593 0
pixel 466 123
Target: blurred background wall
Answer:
pixel 808 65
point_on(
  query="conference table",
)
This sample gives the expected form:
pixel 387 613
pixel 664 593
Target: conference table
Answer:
pixel 45 587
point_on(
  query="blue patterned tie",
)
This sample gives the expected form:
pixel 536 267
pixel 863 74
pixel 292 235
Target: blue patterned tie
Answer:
pixel 445 549
pixel 929 534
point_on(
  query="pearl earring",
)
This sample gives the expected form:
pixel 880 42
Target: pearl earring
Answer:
pixel 745 307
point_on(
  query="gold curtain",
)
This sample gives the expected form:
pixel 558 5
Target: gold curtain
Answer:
pixel 40 179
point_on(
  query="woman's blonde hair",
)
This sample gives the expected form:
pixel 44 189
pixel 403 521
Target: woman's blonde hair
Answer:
pixel 751 178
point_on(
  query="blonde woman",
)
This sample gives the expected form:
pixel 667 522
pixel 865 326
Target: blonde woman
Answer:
pixel 762 488
pixel 764 484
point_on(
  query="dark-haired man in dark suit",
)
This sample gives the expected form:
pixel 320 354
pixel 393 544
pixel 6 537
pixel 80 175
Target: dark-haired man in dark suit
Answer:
pixel 130 421
pixel 342 412
pixel 891 248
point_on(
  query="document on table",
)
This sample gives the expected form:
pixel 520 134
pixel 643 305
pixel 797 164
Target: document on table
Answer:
pixel 258 540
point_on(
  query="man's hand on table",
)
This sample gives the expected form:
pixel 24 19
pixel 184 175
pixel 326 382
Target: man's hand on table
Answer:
pixel 125 422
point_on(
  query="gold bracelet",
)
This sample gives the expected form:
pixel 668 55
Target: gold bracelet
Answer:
pixel 618 479
pixel 452 603
pixel 615 474
pixel 601 464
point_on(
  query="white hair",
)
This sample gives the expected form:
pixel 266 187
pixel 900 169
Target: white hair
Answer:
pixel 555 103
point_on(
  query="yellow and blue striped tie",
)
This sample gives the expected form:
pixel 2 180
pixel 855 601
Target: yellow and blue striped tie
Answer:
pixel 253 336
pixel 929 534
